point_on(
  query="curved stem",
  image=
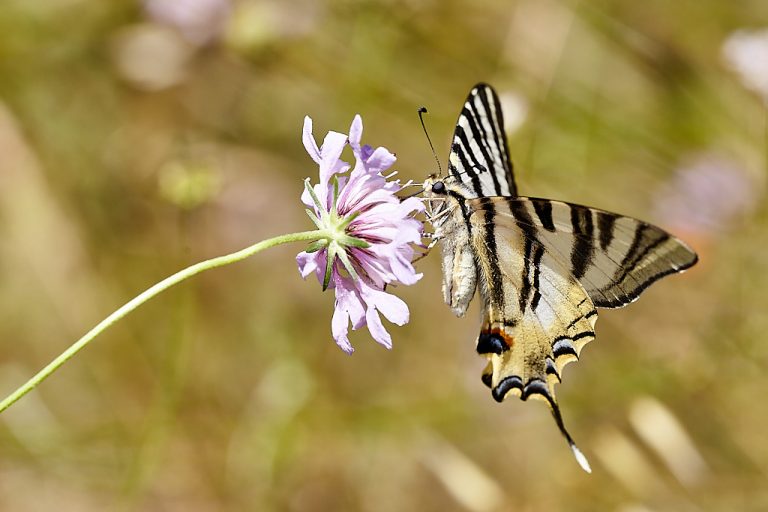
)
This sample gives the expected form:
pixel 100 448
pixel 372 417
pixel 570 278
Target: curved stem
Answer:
pixel 148 294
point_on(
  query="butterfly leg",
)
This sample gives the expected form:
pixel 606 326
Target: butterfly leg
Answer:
pixel 432 217
pixel 434 239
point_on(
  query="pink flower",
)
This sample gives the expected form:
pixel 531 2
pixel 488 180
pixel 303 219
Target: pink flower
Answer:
pixel 371 234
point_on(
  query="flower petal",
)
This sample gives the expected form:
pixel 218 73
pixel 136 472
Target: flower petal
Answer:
pixel 355 134
pixel 376 328
pixel 380 160
pixel 307 263
pixel 393 308
pixel 330 152
pixel 309 140
pixel 411 205
pixel 403 269
pixel 347 299
pixel 340 329
pixel 330 164
pixel 366 152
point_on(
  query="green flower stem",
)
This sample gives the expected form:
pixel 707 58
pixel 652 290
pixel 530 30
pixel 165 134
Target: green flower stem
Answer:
pixel 148 294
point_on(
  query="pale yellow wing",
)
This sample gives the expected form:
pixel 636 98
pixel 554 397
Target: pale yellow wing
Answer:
pixel 537 316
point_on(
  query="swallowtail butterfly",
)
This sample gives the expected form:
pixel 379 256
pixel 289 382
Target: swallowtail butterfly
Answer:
pixel 540 267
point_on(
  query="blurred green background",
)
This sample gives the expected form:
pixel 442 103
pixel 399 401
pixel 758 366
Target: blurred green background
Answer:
pixel 137 138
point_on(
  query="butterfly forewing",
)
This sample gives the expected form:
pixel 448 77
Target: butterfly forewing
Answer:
pixel 479 156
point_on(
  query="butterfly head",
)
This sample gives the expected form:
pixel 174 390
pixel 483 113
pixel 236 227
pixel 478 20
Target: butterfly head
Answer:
pixel 435 186
pixel 440 193
pixel 445 188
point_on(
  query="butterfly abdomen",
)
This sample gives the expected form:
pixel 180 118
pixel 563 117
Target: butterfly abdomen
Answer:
pixel 458 258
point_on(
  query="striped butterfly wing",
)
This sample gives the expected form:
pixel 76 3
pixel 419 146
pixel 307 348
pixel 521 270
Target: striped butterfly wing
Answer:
pixel 612 256
pixel 537 316
pixel 479 158
pixel 546 266
pixel 540 266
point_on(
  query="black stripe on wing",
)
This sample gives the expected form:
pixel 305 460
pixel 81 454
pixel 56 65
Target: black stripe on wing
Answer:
pixel 483 141
pixel 496 284
pixel 582 254
pixel 605 226
pixel 497 116
pixel 543 211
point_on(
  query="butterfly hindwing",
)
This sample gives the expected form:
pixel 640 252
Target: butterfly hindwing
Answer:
pixel 537 316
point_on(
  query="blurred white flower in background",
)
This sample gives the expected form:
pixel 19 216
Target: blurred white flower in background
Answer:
pixel 199 21
pixel 746 53
pixel 156 54
pixel 151 57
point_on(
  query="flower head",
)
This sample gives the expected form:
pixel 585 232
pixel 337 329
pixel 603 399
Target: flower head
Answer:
pixel 370 234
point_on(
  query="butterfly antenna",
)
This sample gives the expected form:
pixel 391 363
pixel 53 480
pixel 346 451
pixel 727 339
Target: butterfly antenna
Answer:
pixel 580 458
pixel 418 192
pixel 422 111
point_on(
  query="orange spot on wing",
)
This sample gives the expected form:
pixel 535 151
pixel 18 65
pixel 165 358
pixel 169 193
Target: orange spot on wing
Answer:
pixel 508 339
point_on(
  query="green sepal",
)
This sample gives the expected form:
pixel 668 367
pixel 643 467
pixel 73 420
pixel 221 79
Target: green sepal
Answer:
pixel 314 218
pixel 348 220
pixel 330 257
pixel 348 265
pixel 311 192
pixel 335 183
pixel 317 245
pixel 351 241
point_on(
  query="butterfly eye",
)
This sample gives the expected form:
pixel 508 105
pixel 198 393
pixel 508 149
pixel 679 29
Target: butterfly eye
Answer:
pixel 438 187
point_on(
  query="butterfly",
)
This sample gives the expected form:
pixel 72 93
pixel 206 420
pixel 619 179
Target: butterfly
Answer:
pixel 540 267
